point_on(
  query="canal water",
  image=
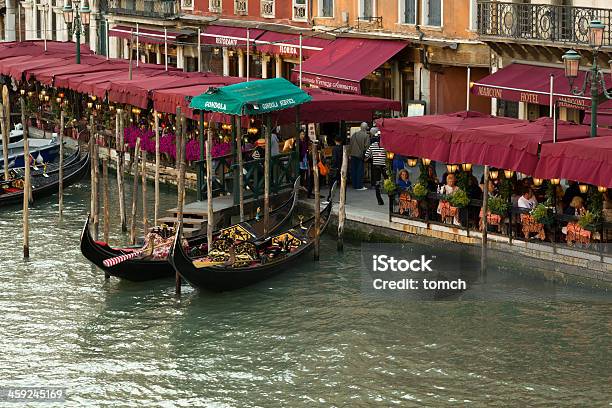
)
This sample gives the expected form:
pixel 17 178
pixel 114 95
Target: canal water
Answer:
pixel 309 337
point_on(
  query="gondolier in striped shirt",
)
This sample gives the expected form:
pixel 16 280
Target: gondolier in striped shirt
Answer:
pixel 378 156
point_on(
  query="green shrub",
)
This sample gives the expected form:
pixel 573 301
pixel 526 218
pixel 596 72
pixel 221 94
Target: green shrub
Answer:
pixel 419 191
pixel 588 221
pixel 542 214
pixel 389 186
pixel 459 199
pixel 498 206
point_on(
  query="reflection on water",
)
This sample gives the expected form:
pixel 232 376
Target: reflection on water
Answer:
pixel 308 337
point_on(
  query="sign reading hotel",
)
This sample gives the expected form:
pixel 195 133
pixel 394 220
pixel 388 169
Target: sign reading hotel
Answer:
pixel 530 97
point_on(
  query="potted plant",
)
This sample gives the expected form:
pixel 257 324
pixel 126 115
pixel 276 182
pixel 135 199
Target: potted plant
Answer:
pixel 497 209
pixel 419 191
pixel 459 199
pixel 542 214
pixel 588 221
pixel 389 186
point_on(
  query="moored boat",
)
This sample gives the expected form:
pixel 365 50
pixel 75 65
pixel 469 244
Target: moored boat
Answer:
pixel 41 150
pixel 231 264
pixel 44 181
pixel 143 266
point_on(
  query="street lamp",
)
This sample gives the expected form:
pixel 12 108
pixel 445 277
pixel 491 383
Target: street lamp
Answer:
pixel 594 77
pixel 77 21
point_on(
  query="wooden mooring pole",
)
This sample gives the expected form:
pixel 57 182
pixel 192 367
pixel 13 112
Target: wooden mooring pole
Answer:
pixel 95 181
pixel 5 139
pixel 106 203
pixel 26 184
pixel 145 221
pixel 342 206
pixel 485 209
pixel 267 172
pixel 238 135
pixel 5 112
pixel 317 203
pixel 60 189
pixel 180 146
pixel 120 167
pixel 210 222
pixel 134 193
pixel 157 164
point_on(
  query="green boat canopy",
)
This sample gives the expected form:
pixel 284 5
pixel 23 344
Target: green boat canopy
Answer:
pixel 251 98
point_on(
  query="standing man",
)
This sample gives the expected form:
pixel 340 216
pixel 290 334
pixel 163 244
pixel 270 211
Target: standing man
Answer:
pixel 378 155
pixel 360 141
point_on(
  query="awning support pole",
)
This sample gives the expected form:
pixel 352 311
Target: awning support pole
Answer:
pixel 552 85
pixel 238 136
pixel 202 157
pixel 200 53
pixel 166 48
pixel 248 54
pixel 467 93
pixel 137 45
pixel 300 60
pixel 267 175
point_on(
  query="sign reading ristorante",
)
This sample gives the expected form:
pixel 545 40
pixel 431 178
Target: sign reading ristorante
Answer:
pixel 534 97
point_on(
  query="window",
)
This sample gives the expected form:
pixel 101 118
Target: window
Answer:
pixel 267 8
pixel 433 13
pixel 300 8
pixel 326 8
pixel 366 8
pixel 408 11
pixel 241 7
pixel 187 4
pixel 214 6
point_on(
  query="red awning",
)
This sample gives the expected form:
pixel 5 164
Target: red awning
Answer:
pixel 604 114
pixel 430 136
pixel 224 36
pixel 327 106
pixel 531 83
pixel 46 75
pixel 346 61
pixel 275 43
pixel 145 35
pixel 512 146
pixel 588 161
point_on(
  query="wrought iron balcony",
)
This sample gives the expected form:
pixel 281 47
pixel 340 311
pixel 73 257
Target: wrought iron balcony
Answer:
pixel 241 7
pixel 158 9
pixel 267 8
pixel 541 22
pixel 369 23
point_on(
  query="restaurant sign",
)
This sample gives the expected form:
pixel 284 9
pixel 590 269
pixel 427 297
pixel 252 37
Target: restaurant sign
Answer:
pixel 330 83
pixel 527 96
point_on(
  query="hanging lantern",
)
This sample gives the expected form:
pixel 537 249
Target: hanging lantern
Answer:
pixel 555 181
pixel 22 91
pixel 602 189
pixel 583 188
pixel 466 167
pixel 30 94
pixel 159 115
pixel 494 174
pixel 43 92
pixel 89 105
pixel 41 97
pixel 537 182
pixel 61 95
pixel 390 155
pixel 252 131
pixel 426 162
pixel 94 97
pixel 46 98
pixel 412 161
pixel 508 173
pixel 452 168
pixel 98 106
pixel 58 100
pixel 111 107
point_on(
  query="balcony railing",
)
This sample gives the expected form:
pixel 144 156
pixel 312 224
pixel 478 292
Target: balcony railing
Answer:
pixel 267 8
pixel 541 22
pixel 369 23
pixel 145 8
pixel 214 6
pixel 241 7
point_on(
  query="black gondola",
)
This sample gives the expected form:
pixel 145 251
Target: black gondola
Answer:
pixel 149 268
pixel 45 181
pixel 238 265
